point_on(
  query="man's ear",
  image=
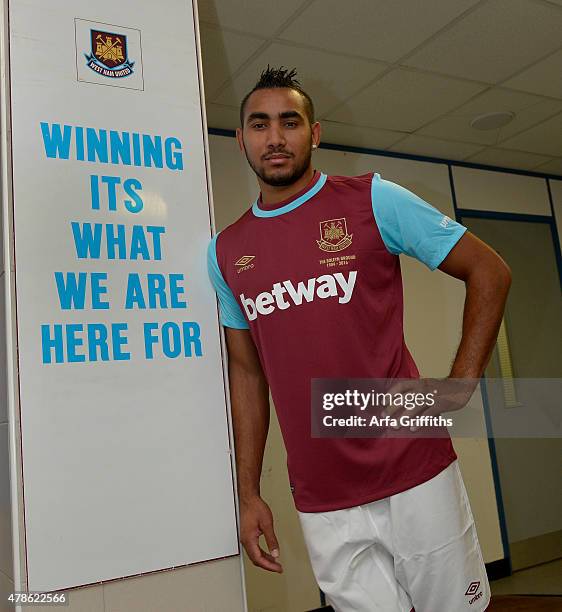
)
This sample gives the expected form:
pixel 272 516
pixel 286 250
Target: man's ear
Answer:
pixel 316 132
pixel 239 139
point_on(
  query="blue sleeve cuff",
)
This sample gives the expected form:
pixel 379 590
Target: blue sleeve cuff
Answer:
pixel 410 225
pixel 230 312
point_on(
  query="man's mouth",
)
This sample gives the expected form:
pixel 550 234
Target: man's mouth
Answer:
pixel 274 156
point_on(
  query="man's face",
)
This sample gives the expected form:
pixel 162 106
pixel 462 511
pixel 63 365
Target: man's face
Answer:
pixel 277 136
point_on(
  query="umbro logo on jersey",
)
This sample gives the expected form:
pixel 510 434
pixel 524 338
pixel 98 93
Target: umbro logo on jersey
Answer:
pixel 244 263
pixel 285 294
pixel 244 260
pixel 445 221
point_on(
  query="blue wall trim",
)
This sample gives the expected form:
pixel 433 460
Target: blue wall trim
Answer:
pixel 424 158
pixel 221 132
pixel 504 216
pixel 555 232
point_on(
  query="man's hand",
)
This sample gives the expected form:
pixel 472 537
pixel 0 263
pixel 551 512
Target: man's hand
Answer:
pixel 256 520
pixel 249 400
pixel 449 395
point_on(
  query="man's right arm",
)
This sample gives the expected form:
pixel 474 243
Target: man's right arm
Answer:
pixel 249 398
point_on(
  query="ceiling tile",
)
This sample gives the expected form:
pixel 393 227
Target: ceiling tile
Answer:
pixel 541 78
pixel 545 138
pixel 458 128
pixel 554 166
pixel 223 53
pixel 255 16
pixel 496 40
pixel 377 29
pixel 225 117
pixel 327 78
pixel 433 147
pixel 404 100
pixel 508 159
pixel 528 110
pixel 350 135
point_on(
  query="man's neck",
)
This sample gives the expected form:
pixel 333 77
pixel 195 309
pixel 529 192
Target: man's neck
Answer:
pixel 271 195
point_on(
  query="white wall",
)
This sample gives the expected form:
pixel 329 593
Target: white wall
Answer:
pixel 500 191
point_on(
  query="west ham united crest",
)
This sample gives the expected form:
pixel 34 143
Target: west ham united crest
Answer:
pixel 109 55
pixel 333 235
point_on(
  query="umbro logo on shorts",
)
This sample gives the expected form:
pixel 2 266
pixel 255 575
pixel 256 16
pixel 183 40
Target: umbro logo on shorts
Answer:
pixel 325 286
pixel 472 589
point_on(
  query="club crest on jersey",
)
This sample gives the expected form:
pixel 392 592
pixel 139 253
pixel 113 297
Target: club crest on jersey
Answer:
pixel 109 54
pixel 333 235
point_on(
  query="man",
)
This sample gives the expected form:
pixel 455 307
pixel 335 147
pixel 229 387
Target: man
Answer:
pixel 309 286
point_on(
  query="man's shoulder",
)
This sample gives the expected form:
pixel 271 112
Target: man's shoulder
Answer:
pixel 353 182
pixel 232 233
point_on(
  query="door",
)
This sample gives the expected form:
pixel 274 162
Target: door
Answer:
pixel 528 347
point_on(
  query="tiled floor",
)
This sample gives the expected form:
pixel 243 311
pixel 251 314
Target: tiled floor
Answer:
pixel 545 579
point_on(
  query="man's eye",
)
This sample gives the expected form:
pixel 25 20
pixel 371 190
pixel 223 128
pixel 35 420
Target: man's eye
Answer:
pixel 258 125
pixel 291 123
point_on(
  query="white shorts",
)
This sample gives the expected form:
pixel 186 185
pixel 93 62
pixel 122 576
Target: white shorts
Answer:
pixel 416 549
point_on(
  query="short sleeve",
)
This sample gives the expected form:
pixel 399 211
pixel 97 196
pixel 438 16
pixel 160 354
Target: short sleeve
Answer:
pixel 410 225
pixel 230 313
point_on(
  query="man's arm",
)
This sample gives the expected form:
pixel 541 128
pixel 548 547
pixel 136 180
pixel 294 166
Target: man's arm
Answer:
pixel 249 398
pixel 487 278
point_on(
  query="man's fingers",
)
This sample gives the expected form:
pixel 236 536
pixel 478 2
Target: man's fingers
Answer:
pixel 257 520
pixel 260 558
pixel 270 539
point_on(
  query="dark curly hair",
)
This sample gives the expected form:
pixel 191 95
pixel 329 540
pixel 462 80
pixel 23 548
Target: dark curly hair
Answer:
pixel 271 78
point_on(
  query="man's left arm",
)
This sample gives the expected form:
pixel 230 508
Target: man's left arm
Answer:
pixel 487 279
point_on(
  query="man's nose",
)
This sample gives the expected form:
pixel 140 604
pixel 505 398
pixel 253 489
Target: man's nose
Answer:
pixel 276 136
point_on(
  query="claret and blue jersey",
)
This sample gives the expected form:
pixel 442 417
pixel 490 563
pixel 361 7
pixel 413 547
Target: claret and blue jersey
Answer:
pixel 316 281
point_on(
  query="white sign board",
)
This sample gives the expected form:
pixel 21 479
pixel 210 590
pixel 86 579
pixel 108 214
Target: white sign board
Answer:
pixel 124 434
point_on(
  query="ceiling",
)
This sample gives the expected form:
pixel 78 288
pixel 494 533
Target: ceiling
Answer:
pixel 401 75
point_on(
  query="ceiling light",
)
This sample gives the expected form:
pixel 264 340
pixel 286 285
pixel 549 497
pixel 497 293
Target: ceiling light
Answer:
pixel 492 121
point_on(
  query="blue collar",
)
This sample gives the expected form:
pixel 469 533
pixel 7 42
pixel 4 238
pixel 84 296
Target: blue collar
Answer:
pixel 260 212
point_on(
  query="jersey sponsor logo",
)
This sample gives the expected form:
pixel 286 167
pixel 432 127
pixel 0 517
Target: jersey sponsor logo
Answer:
pixel 244 263
pixel 445 221
pixel 285 294
pixel 333 235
